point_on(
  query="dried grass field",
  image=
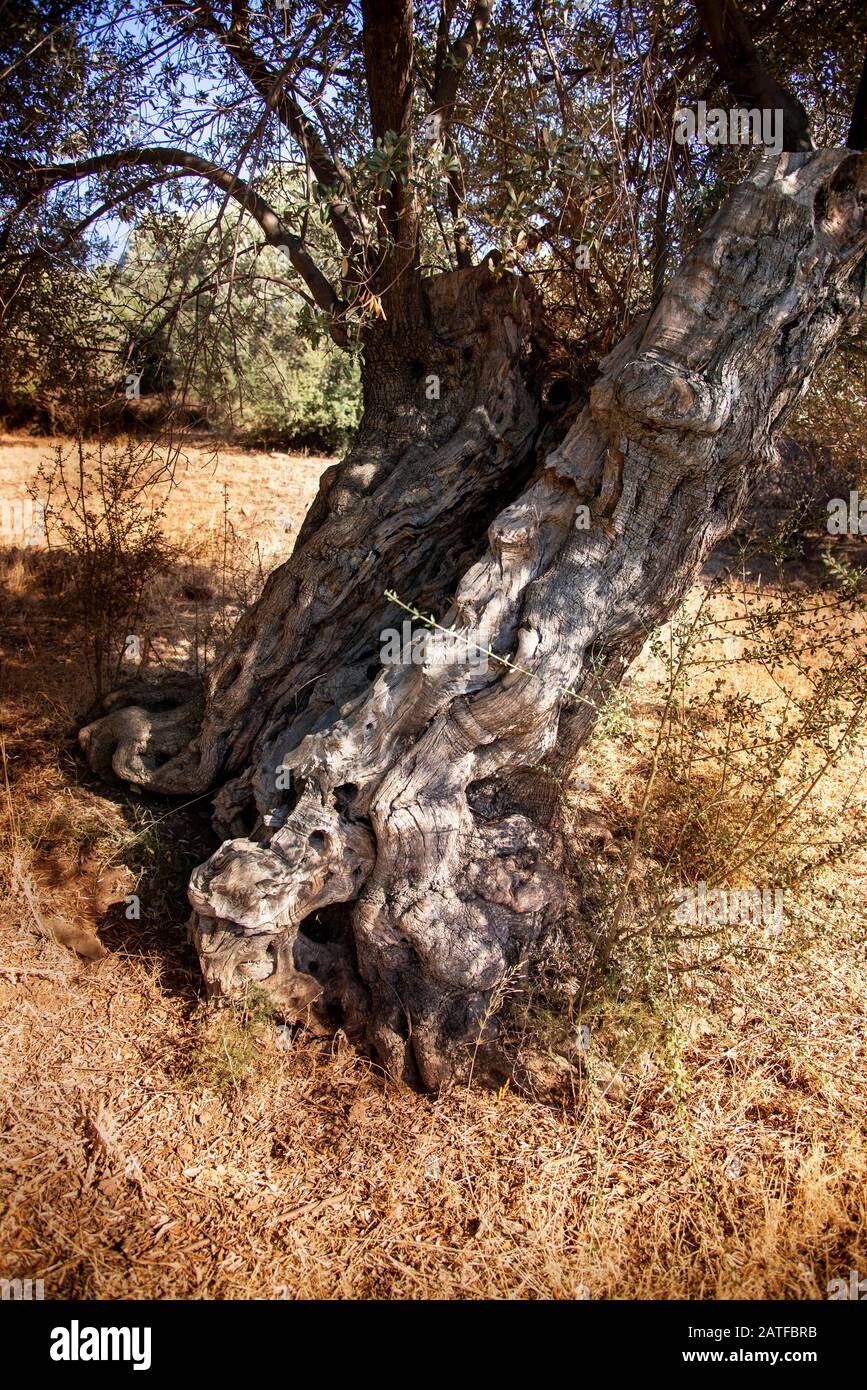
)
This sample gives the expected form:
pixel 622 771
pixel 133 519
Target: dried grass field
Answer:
pixel 687 1118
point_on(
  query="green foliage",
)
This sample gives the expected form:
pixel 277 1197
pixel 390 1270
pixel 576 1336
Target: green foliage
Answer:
pixel 851 579
pixel 229 1042
pixel 238 354
pixel 558 154
pixel 238 348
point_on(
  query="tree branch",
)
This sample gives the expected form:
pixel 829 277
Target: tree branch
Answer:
pixel 452 62
pixel 273 88
pixel 161 157
pixel 387 38
pixel 744 72
pixel 857 137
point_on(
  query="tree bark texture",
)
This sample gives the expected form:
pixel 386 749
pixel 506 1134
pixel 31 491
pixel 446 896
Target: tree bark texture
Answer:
pixel 392 849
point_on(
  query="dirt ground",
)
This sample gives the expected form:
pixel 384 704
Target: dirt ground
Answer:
pixel 705 1138
pixel 268 493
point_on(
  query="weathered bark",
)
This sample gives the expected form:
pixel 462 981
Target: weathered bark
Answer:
pixel 407 858
pixel 406 510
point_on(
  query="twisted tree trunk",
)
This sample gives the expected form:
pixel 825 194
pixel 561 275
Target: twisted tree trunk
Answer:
pixel 395 847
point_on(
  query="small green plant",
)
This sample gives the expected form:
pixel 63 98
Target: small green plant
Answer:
pixel 229 1044
pixel 787 542
pixel 851 579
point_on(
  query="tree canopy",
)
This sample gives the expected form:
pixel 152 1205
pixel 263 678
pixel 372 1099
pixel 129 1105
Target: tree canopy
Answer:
pixel 366 140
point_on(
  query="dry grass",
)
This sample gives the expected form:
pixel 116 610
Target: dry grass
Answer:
pixel 711 1145
pixel 262 487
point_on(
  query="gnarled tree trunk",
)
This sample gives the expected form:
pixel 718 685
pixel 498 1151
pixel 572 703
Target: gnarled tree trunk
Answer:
pixel 394 846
